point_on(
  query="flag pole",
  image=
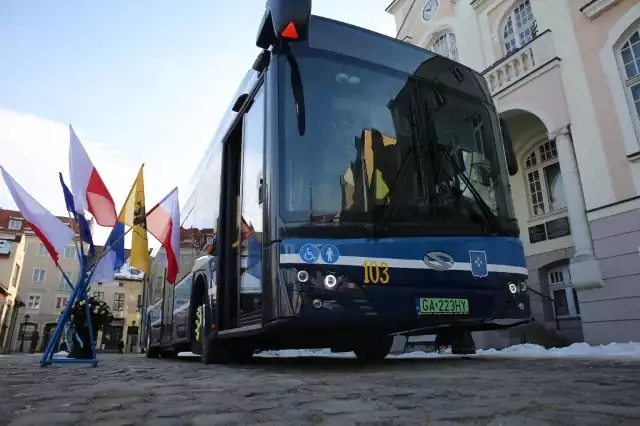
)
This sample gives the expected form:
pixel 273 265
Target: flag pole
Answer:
pixel 78 232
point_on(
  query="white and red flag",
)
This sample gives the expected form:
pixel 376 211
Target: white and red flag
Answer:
pixel 89 191
pixel 163 222
pixel 53 233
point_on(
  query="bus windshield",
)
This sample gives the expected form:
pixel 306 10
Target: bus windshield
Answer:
pixel 384 147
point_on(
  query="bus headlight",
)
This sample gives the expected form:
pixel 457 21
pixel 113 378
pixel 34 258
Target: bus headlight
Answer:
pixel 303 276
pixel 523 286
pixel 330 281
pixel 513 288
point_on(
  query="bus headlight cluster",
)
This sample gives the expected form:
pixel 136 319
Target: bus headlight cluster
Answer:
pixel 330 281
pixel 520 287
pixel 303 276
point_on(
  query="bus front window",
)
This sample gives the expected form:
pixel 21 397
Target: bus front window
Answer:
pixel 369 155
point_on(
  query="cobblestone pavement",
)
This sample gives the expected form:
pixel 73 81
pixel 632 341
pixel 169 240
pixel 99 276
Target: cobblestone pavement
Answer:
pixel 132 390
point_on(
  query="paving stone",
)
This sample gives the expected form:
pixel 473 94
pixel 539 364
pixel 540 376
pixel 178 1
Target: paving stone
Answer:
pixel 131 390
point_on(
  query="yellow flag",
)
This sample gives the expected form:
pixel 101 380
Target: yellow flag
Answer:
pixel 134 214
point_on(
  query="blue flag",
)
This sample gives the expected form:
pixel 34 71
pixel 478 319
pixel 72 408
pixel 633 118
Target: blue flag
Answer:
pixel 117 237
pixel 85 230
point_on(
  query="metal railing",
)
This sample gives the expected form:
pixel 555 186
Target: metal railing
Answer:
pixel 551 299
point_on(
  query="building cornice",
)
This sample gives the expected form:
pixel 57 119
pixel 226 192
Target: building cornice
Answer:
pixel 395 4
pixel 485 5
pixel 595 8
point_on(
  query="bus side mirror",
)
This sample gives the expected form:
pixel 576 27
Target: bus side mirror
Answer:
pixel 512 162
pixel 286 20
pixel 260 191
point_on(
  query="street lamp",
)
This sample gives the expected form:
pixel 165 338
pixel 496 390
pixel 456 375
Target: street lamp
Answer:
pixel 24 329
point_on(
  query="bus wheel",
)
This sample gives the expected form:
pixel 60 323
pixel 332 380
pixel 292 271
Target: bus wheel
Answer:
pixel 374 349
pixel 153 352
pixel 462 343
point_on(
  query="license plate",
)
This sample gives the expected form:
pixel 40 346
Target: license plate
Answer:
pixel 439 306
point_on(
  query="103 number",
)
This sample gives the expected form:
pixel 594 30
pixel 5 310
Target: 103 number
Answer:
pixel 375 273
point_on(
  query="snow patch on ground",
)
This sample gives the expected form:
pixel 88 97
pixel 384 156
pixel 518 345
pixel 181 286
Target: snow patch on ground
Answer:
pixel 576 350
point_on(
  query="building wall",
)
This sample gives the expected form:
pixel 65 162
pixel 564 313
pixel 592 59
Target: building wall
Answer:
pixel 127 314
pixel 569 74
pixel 612 312
pixel 52 294
pixel 10 272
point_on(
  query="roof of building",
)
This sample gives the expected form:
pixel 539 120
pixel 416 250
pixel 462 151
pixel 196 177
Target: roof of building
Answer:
pixel 7 215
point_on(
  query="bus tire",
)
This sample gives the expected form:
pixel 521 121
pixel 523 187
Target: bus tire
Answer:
pixel 152 352
pixel 375 349
pixel 463 344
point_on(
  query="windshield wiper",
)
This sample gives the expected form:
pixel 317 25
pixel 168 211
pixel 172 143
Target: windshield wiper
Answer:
pixel 298 93
pixel 411 154
pixel 488 215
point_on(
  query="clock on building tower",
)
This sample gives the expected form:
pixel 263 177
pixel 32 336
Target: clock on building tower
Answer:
pixel 430 8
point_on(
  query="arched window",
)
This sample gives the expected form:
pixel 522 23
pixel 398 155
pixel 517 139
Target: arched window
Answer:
pixel 544 179
pixel 520 27
pixel 630 55
pixel 445 45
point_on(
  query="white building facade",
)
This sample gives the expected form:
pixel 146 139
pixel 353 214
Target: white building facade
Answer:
pixel 565 75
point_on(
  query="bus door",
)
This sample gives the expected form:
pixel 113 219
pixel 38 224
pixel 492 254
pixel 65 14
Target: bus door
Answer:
pixel 240 246
pixel 251 220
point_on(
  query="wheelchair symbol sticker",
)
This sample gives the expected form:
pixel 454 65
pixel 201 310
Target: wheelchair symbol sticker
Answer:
pixel 309 253
pixel 329 253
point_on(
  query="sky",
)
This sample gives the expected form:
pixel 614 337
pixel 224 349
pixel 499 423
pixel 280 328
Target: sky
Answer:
pixel 143 81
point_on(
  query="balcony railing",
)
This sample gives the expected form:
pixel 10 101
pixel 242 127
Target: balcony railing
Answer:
pixel 520 63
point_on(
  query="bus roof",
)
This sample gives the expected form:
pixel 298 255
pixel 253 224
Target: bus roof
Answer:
pixel 346 39
pixel 247 82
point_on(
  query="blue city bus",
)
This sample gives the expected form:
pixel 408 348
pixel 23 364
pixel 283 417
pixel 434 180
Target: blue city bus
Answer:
pixel 357 189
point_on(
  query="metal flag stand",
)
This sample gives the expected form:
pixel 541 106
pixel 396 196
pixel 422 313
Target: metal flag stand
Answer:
pixel 79 293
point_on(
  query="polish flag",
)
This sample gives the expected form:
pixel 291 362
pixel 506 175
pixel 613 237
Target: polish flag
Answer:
pixel 89 191
pixel 53 233
pixel 163 222
pixel 247 230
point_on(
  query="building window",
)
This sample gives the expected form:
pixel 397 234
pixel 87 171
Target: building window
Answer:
pixel 565 298
pixel 118 302
pixel 544 179
pixel 63 286
pixel 15 224
pixel 39 275
pixel 445 45
pixel 69 252
pixel 33 301
pixel 630 55
pixel 42 250
pixel 99 295
pixel 520 27
pixel 61 302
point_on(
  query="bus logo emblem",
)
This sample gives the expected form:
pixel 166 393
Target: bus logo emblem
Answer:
pixel 478 261
pixel 438 260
